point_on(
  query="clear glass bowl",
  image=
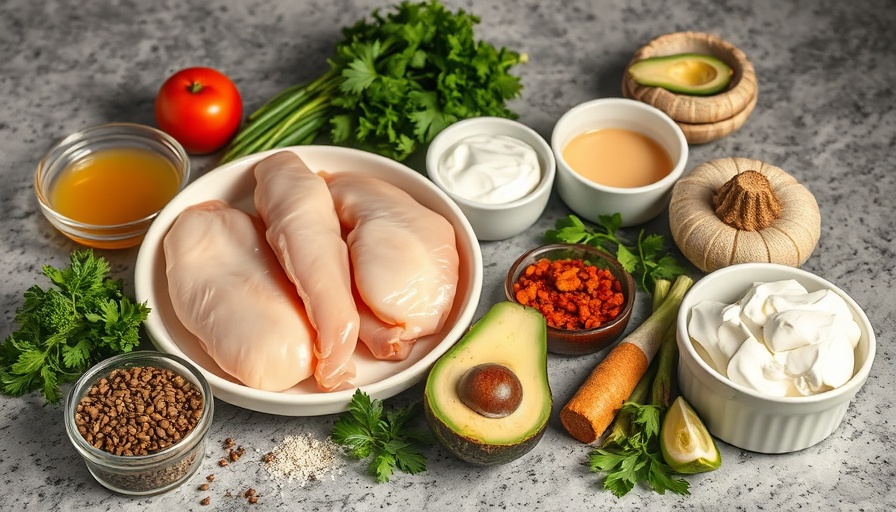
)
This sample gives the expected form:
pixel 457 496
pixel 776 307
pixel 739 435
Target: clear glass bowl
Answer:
pixel 585 341
pixel 155 473
pixel 84 143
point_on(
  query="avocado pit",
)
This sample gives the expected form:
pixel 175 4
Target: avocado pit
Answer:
pixel 490 389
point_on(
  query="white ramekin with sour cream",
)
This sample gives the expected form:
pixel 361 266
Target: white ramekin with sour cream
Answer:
pixel 742 416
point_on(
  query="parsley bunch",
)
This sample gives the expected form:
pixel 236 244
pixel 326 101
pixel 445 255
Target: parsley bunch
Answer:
pixel 637 457
pixel 65 330
pixel 647 259
pixel 367 429
pixel 394 83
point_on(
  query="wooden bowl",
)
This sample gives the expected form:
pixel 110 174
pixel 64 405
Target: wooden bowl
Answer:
pixel 697 110
pixel 701 133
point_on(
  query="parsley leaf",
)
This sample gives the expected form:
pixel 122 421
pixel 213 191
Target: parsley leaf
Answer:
pixel 368 429
pixel 66 329
pixel 394 82
pixel 647 259
pixel 636 457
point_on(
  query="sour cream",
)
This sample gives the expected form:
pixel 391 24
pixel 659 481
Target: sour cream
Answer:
pixel 779 339
pixel 490 169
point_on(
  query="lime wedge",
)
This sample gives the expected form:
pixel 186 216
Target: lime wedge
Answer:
pixel 686 444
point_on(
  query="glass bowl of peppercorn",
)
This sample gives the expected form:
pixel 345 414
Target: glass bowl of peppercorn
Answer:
pixel 140 421
pixel 583 292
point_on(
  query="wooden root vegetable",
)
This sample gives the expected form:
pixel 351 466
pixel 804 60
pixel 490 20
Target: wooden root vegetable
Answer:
pixel 739 210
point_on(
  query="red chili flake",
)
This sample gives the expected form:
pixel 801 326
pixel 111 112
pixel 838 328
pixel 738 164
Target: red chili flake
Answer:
pixel 570 293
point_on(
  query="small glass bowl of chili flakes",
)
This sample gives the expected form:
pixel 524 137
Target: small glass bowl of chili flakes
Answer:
pixel 584 294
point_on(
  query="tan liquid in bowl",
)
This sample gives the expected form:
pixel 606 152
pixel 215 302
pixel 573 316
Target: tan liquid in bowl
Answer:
pixel 617 157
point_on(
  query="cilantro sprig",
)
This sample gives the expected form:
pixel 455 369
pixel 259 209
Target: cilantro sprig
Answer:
pixel 367 429
pixel 66 329
pixel 631 451
pixel 393 84
pixel 647 259
pixel 637 457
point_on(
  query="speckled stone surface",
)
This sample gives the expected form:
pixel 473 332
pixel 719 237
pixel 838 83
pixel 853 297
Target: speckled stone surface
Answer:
pixel 826 114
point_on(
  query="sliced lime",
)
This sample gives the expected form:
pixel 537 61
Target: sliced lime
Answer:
pixel 686 444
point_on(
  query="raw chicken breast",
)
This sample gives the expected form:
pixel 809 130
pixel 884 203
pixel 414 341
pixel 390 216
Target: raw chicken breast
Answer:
pixel 305 234
pixel 228 289
pixel 404 260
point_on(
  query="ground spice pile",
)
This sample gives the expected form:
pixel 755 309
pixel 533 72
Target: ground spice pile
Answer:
pixel 138 411
pixel 303 458
pixel 570 293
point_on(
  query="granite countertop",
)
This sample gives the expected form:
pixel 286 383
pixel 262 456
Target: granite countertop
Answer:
pixel 826 114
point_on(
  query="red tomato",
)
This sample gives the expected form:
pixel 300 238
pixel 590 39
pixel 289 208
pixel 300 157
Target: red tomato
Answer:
pixel 201 108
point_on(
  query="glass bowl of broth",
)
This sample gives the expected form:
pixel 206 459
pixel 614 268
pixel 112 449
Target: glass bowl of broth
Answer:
pixel 616 155
pixel 103 186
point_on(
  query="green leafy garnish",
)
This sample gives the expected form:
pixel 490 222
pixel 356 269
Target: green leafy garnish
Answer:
pixel 394 83
pixel 637 457
pixel 366 429
pixel 647 259
pixel 632 451
pixel 65 330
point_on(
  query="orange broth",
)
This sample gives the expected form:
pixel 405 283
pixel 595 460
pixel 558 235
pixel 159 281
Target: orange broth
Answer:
pixel 616 157
pixel 114 186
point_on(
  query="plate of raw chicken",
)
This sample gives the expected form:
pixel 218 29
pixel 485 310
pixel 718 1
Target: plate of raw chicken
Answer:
pixel 295 276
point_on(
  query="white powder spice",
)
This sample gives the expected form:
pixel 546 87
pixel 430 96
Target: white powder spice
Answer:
pixel 303 458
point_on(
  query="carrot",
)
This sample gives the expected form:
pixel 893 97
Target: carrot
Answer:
pixel 599 399
pixel 619 428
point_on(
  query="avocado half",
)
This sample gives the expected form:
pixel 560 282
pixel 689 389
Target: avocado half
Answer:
pixel 511 335
pixel 686 73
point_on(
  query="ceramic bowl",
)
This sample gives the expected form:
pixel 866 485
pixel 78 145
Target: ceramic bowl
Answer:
pixel 743 417
pixel 584 341
pixel 589 199
pixel 701 118
pixel 154 473
pixel 78 148
pixel 504 220
pixel 234 183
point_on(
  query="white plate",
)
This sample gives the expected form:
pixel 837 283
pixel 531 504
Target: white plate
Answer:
pixel 234 183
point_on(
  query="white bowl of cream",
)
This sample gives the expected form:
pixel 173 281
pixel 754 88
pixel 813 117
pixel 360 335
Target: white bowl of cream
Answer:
pixel 498 171
pixel 771 355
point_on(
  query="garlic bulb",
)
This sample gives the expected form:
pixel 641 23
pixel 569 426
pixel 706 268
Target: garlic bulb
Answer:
pixel 739 210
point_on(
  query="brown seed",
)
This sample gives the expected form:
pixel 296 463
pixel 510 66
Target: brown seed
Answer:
pixel 223 462
pixel 249 493
pixel 205 501
pixel 203 487
pixel 253 499
pixel 117 415
pixel 210 478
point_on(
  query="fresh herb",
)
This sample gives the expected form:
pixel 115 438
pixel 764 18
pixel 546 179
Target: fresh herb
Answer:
pixel 647 259
pixel 366 429
pixel 637 457
pixel 631 451
pixel 393 84
pixel 65 330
